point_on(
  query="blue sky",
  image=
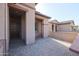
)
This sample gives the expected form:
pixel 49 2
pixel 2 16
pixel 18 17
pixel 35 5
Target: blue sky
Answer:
pixel 60 11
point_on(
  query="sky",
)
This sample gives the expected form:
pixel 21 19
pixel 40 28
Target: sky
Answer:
pixel 60 11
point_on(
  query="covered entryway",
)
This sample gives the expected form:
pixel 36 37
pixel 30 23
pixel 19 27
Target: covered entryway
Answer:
pixel 16 29
pixel 24 28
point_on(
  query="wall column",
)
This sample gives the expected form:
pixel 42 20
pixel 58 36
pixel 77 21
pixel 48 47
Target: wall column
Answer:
pixel 7 29
pixel 30 26
pixel 45 28
pixel 3 28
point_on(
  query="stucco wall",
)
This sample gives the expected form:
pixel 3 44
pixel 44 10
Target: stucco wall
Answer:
pixel 64 28
pixel 2 27
pixel 30 26
pixel 66 36
pixel 45 28
pixel 2 48
pixel 30 4
pixel 61 27
pixel 50 27
pixel 2 20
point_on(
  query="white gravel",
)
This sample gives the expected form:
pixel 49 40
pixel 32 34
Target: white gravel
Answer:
pixel 42 47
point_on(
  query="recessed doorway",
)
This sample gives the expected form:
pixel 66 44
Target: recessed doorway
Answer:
pixel 16 28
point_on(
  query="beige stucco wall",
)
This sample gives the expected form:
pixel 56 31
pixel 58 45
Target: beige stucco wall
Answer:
pixel 2 48
pixel 64 28
pixel 2 20
pixel 66 36
pixel 45 28
pixel 61 27
pixel 30 26
pixel 2 27
pixel 50 27
pixel 30 4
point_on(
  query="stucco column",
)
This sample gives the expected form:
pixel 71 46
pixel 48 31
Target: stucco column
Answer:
pixel 2 27
pixel 45 28
pixel 7 29
pixel 54 28
pixel 30 26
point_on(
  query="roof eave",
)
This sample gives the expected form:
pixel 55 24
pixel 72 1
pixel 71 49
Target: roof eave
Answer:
pixel 38 13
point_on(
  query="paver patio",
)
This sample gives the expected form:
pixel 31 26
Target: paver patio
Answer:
pixel 42 47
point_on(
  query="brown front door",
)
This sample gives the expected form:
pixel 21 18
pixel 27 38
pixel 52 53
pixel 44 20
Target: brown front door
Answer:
pixel 15 27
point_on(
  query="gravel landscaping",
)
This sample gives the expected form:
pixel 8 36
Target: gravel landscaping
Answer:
pixel 42 47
